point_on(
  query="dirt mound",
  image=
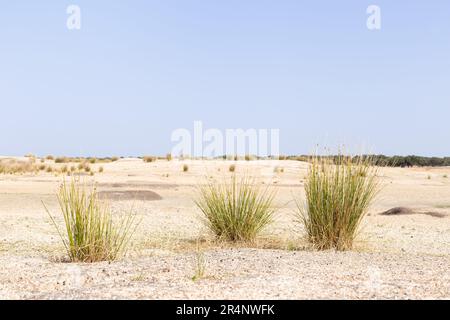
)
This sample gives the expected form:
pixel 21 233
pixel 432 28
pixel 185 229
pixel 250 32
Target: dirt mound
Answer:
pixel 143 195
pixel 408 211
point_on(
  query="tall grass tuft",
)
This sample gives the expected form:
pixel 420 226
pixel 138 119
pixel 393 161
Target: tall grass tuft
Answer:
pixel 338 195
pixel 236 209
pixel 91 234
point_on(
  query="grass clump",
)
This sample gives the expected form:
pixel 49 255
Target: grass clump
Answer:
pixel 91 234
pixel 232 168
pixel 185 168
pixel 338 195
pixel 149 159
pixel 236 210
pixel 61 160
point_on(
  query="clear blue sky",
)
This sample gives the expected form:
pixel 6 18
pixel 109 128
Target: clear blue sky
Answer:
pixel 139 69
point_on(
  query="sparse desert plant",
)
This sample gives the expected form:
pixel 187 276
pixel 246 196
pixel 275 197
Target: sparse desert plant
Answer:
pixel 149 159
pixel 49 157
pixel 185 168
pixel 237 209
pixel 114 159
pixel 49 169
pixel 61 160
pixel 64 169
pixel 42 167
pixel 169 157
pixel 200 265
pixel 101 169
pixel 232 168
pixel 445 176
pixel 92 160
pixel 91 234
pixel 12 166
pixel 338 196
pixel 278 170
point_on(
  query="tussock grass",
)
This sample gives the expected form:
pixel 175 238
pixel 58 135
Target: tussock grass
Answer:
pixel 149 159
pixel 338 195
pixel 236 209
pixel 91 234
pixel 62 160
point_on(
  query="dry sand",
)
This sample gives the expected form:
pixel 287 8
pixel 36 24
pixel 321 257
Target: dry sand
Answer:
pixel 396 256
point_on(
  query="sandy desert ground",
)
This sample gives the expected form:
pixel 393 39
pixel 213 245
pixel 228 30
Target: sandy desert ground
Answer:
pixel 396 257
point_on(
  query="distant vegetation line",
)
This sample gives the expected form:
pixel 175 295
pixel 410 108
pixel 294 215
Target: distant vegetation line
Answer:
pixel 393 161
pixel 378 159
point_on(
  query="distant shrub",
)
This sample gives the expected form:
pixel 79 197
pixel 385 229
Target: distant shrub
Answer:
pixel 169 157
pixel 149 159
pixel 12 166
pixel 114 159
pixel 278 170
pixel 185 168
pixel 92 160
pixel 101 169
pixel 61 160
pixel 232 168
